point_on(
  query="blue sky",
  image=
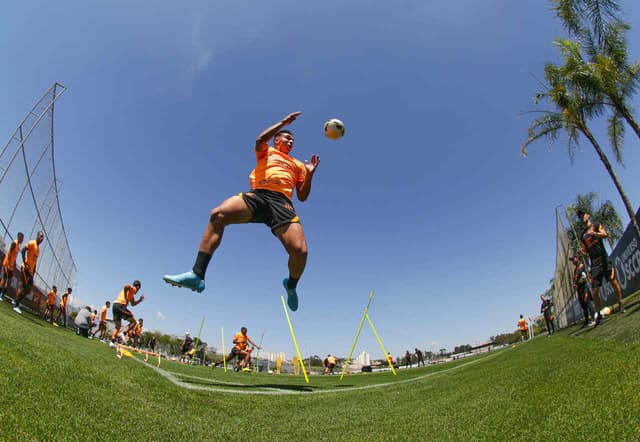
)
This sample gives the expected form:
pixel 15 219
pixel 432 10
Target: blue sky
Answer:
pixel 426 200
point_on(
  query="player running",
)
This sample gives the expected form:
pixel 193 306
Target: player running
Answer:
pixel 102 325
pixel 9 264
pixel 273 181
pixel 120 310
pixel 240 350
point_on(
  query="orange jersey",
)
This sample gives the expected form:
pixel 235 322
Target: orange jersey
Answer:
pixel 92 317
pixel 240 340
pixel 51 297
pixel 9 260
pixel 522 323
pixel 63 301
pixel 33 251
pixel 126 295
pixel 103 314
pixel 277 171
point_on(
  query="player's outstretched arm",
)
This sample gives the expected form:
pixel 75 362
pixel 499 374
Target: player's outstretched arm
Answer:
pixel 267 134
pixel 304 189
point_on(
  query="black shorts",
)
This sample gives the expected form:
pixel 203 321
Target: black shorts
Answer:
pixel 120 311
pixel 603 271
pixel 271 208
pixel 27 278
pixel 235 351
pixel 7 273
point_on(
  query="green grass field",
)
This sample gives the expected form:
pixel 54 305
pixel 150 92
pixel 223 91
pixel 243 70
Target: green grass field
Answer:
pixel 582 384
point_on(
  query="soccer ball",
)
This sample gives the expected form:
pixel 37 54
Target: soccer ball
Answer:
pixel 605 312
pixel 333 129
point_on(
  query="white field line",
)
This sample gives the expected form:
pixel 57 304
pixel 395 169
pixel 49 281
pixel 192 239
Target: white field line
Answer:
pixel 273 390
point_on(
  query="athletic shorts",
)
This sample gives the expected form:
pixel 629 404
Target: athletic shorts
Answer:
pixel 603 271
pixel 120 311
pixel 235 351
pixel 50 306
pixel 27 278
pixel 103 325
pixel 270 208
pixel 7 273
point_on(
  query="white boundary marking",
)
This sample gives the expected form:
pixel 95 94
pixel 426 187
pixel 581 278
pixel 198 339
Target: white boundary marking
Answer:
pixel 274 390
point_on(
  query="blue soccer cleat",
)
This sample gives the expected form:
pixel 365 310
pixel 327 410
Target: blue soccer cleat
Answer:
pixel 188 280
pixel 292 296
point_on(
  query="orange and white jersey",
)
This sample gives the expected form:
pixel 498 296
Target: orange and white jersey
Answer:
pixel 278 172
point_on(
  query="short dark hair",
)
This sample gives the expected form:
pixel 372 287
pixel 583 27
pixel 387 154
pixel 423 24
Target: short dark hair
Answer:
pixel 581 212
pixel 136 284
pixel 282 131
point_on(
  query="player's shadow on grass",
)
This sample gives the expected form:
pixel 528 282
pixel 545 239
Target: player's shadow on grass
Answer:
pixel 213 383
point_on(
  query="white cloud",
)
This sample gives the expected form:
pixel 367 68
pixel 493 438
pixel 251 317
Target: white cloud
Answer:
pixel 161 316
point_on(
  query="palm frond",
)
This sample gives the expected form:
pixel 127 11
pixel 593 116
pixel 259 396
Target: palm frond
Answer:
pixel 615 129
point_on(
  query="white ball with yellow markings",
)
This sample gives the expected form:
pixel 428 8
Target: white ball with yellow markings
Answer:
pixel 334 129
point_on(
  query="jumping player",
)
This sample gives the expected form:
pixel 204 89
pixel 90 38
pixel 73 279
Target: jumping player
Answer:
pixel 273 181
pixel 30 254
pixel 120 310
pixel 9 264
pixel 601 267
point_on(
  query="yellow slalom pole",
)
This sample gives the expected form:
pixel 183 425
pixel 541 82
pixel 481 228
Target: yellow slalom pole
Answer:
pixel 384 351
pixel 293 335
pixel 197 341
pixel 258 352
pixel 355 341
pixel 224 354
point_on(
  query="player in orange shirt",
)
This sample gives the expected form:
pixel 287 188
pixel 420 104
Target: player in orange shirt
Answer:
pixel 523 326
pixel 273 182
pixel 51 301
pixel 240 350
pixel 134 333
pixel 120 310
pixel 62 308
pixel 30 254
pixel 9 264
pixel 102 326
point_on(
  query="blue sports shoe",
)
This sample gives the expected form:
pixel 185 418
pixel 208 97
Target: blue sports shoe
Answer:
pixel 292 296
pixel 188 280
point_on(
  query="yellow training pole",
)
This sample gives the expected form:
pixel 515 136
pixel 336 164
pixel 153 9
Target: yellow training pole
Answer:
pixel 293 335
pixel 258 353
pixel 355 341
pixel 197 341
pixel 384 351
pixel 224 354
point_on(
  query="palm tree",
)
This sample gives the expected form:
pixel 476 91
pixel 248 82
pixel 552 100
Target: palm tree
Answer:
pixel 573 108
pixel 603 213
pixel 606 74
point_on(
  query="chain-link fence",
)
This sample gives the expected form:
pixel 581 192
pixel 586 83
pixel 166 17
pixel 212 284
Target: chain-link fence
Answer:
pixel 29 199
